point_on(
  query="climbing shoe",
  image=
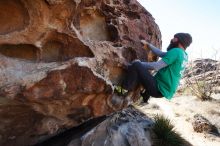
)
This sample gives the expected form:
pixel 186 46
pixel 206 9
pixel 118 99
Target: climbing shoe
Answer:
pixel 145 96
pixel 120 91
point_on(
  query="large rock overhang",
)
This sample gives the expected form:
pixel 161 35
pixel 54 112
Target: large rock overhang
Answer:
pixel 60 59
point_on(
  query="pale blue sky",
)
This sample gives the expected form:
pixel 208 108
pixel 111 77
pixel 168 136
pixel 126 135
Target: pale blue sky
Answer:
pixel 200 18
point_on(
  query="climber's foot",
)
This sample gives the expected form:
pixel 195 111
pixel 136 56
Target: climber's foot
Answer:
pixel 120 91
pixel 145 96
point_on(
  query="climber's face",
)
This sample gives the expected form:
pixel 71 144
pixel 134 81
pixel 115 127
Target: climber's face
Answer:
pixel 173 44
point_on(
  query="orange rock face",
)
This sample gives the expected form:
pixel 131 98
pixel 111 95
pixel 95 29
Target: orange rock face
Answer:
pixel 59 60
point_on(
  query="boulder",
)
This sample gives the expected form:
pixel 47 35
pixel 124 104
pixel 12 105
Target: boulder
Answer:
pixel 127 127
pixel 60 60
pixel 203 125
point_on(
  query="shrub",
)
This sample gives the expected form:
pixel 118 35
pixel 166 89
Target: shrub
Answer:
pixel 165 133
pixel 202 78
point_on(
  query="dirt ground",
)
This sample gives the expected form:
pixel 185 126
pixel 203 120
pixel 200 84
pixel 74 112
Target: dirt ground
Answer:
pixel 180 110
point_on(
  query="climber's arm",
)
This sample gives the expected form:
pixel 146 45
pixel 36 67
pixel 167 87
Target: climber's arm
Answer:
pixel 154 49
pixel 157 51
pixel 154 65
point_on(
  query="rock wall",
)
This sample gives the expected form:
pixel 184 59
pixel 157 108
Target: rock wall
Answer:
pixel 59 60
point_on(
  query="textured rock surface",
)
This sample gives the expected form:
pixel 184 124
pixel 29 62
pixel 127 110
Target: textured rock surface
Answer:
pixel 202 66
pixel 59 60
pixel 201 124
pixel 128 127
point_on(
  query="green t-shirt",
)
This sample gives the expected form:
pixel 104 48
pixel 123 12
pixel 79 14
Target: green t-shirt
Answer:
pixel 168 78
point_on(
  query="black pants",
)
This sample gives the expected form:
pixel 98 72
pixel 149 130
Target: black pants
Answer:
pixel 137 74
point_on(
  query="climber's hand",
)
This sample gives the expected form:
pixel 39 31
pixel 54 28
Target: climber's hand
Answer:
pixel 146 44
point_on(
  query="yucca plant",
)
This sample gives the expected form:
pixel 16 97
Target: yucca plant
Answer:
pixel 165 135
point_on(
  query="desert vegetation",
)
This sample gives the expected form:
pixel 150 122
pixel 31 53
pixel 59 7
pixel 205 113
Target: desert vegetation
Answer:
pixel 202 78
pixel 165 133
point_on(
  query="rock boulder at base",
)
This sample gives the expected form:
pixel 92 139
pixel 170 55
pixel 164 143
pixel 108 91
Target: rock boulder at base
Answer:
pixel 124 128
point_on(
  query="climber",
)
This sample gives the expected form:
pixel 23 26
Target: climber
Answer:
pixel 169 69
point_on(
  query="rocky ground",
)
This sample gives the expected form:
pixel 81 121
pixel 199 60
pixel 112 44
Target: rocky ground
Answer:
pixel 181 110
